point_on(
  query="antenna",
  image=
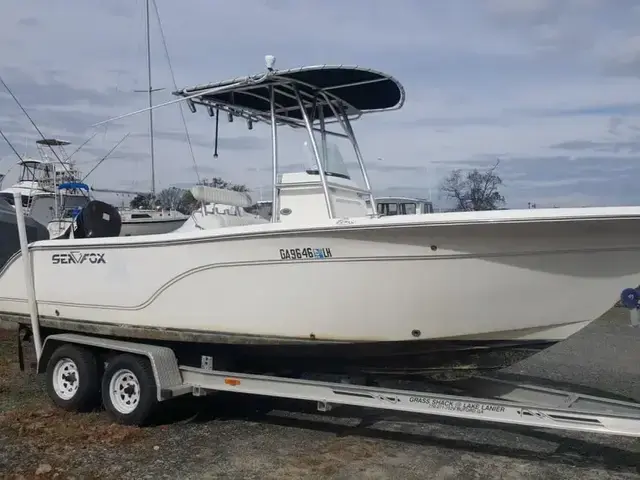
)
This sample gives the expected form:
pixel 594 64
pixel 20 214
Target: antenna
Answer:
pixel 270 60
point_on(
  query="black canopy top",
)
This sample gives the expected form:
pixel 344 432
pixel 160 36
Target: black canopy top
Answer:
pixel 53 142
pixel 356 90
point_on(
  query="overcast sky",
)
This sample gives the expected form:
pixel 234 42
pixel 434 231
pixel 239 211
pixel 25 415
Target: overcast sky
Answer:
pixel 551 87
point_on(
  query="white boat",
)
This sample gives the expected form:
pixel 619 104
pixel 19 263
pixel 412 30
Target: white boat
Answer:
pixel 38 179
pixel 324 281
pixel 38 182
pixel 150 222
pixel 65 215
pixel 134 221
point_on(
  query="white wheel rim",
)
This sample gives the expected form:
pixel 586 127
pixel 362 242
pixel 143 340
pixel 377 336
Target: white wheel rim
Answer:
pixel 124 391
pixel 65 378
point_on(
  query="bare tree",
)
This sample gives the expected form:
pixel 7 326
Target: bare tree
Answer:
pixel 215 182
pixel 170 198
pixel 474 190
pixel 142 201
pixel 218 182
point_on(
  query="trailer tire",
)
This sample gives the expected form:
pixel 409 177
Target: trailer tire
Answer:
pixel 73 378
pixel 129 389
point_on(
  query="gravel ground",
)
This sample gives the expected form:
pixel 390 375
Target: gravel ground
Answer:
pixel 190 439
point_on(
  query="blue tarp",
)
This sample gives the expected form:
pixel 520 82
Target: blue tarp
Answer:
pixel 70 185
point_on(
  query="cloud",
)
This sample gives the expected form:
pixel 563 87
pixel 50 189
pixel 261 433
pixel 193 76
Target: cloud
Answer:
pixel 528 12
pixel 29 22
pixel 380 166
pixel 547 86
pixel 624 58
pixel 604 147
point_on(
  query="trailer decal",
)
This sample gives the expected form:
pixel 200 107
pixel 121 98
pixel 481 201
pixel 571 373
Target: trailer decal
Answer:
pixel 453 406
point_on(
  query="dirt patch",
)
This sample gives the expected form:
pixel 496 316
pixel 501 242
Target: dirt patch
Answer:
pixel 41 441
pixel 328 462
pixel 57 431
pixel 56 439
pixel 218 437
pixel 16 388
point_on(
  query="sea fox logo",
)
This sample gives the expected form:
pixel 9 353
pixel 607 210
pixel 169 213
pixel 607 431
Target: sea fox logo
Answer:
pixel 77 258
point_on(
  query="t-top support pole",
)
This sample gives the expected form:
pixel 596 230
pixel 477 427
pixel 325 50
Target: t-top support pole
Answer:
pixel 323 137
pixel 343 118
pixel 316 153
pixel 274 156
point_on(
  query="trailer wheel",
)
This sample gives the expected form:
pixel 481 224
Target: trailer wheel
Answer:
pixel 73 378
pixel 129 389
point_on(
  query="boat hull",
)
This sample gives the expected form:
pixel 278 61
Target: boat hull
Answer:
pixel 530 281
pixel 277 355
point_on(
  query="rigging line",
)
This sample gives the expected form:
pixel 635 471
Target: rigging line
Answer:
pixel 14 151
pixel 106 156
pixel 36 127
pixel 4 177
pixel 201 93
pixel 10 144
pixel 32 122
pixel 83 144
pixel 175 88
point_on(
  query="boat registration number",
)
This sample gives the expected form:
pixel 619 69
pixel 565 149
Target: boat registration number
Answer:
pixel 307 253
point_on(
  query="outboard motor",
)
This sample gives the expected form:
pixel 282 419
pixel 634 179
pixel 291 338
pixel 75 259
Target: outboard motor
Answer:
pixel 97 220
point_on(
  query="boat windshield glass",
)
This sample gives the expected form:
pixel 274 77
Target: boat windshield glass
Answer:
pixel 31 170
pixel 334 163
pixel 387 208
pixel 409 208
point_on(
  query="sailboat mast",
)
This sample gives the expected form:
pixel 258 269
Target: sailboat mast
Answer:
pixel 150 91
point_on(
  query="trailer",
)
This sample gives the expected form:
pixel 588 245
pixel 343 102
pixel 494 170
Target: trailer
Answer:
pixel 131 378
